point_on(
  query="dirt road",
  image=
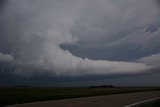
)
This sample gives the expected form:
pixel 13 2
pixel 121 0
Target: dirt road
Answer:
pixel 119 100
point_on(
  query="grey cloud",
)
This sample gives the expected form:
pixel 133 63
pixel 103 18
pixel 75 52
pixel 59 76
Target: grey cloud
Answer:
pixel 127 30
pixel 33 31
pixel 2 3
pixel 109 21
pixel 136 45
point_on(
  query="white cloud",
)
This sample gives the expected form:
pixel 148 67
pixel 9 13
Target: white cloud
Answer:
pixel 152 60
pixel 6 57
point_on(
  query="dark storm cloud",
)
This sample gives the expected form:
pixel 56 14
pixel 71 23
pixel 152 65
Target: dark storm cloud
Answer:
pixel 132 47
pixel 157 2
pixel 2 2
pixel 33 31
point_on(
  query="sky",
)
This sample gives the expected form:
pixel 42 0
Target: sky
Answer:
pixel 79 42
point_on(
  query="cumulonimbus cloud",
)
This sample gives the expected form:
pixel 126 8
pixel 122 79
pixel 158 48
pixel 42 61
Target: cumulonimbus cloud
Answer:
pixel 36 30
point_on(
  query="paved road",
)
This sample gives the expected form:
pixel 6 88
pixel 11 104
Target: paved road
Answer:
pixel 119 100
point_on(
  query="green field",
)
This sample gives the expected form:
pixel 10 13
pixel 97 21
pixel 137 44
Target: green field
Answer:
pixel 9 96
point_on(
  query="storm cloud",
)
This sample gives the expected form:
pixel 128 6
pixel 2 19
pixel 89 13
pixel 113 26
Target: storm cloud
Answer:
pixel 6 58
pixel 32 32
pixel 153 60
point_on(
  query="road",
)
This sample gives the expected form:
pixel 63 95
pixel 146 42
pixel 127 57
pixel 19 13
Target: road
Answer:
pixel 119 100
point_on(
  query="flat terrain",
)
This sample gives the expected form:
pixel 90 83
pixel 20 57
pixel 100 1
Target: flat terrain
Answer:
pixel 119 100
pixel 10 96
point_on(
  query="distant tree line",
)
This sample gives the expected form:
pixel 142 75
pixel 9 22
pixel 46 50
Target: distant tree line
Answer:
pixel 103 86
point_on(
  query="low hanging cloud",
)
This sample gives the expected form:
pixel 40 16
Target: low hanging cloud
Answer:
pixel 152 60
pixel 64 63
pixel 33 30
pixel 6 58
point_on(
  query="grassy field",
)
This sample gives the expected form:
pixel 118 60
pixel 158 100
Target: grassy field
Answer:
pixel 9 96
